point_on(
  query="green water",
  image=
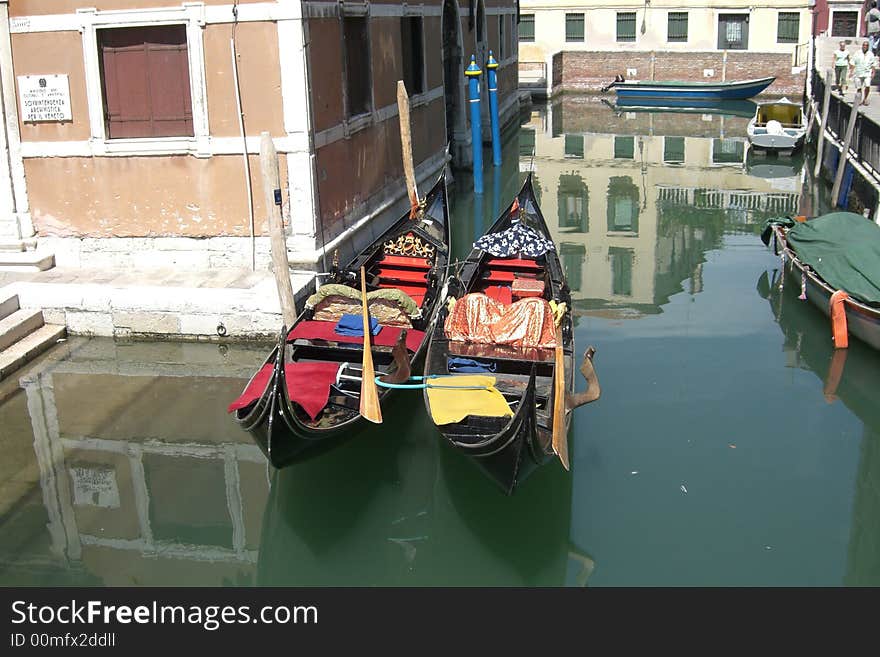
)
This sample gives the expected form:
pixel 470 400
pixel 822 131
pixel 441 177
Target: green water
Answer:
pixel 720 453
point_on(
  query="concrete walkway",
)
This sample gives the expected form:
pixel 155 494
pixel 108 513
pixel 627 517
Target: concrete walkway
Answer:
pixel 222 304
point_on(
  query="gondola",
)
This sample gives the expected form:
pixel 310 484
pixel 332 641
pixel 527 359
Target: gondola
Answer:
pixel 834 257
pixel 523 277
pixel 306 396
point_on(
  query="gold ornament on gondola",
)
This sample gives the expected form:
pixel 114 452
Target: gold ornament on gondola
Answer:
pixel 409 245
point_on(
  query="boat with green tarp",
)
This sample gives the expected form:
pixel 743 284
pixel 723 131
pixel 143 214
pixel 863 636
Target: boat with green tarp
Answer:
pixel 836 260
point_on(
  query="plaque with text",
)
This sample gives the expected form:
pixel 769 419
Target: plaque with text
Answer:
pixel 44 98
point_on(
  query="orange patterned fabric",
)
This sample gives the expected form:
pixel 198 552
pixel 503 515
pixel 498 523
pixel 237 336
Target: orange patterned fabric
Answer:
pixel 471 318
pixel 525 323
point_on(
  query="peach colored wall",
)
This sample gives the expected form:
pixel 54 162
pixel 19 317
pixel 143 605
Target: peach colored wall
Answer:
pixel 38 7
pixel 350 170
pixel 144 196
pixel 258 75
pixel 47 53
pixel 325 61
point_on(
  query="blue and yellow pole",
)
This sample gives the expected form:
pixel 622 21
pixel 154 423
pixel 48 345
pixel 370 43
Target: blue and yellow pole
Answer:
pixel 492 67
pixel 473 73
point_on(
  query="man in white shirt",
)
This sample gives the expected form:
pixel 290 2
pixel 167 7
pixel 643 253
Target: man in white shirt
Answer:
pixel 863 65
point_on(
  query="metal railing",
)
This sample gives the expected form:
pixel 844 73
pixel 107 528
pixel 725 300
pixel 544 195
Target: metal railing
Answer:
pixel 865 144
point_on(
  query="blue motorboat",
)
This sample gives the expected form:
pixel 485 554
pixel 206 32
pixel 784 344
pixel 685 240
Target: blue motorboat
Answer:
pixel 640 90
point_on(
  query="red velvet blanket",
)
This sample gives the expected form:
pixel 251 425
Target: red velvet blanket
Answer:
pixel 308 384
pixel 387 337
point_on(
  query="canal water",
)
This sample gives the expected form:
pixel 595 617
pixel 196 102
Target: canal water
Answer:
pixel 731 446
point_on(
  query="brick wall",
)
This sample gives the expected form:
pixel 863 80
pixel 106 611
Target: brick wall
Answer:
pixel 590 71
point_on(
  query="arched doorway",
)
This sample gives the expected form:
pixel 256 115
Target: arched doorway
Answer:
pixel 453 86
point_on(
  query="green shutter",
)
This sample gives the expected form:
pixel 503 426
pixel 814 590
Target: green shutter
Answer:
pixel 788 27
pixel 624 147
pixel 574 146
pixel 574 27
pixel 626 26
pixel 677 26
pixel 527 27
pixel 673 149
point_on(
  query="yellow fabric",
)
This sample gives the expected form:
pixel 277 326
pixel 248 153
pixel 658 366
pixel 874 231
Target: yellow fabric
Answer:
pixel 449 405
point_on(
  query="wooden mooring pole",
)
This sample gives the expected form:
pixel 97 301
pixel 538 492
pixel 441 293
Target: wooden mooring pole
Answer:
pixel 844 154
pixel 278 245
pixel 826 100
pixel 406 143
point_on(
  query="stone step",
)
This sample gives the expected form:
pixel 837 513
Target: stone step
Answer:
pixel 17 325
pixel 29 347
pixel 8 306
pixel 26 261
pixel 18 245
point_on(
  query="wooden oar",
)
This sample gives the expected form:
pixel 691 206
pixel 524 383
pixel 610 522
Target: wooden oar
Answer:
pixel 406 146
pixel 560 435
pixel 369 392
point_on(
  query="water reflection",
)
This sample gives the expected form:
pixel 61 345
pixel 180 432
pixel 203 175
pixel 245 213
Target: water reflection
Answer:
pixel 639 197
pixel 848 376
pixel 124 470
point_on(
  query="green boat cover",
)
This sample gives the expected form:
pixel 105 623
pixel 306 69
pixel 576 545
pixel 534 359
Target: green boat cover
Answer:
pixel 841 247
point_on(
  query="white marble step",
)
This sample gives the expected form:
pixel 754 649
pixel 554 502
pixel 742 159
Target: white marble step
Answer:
pixel 29 347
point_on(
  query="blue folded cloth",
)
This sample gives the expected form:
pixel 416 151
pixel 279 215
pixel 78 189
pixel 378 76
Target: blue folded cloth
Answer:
pixel 354 325
pixel 468 365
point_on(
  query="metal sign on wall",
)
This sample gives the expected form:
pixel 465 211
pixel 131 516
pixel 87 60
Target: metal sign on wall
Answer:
pixel 44 98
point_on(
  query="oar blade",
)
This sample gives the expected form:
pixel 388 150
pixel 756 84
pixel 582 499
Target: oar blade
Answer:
pixel 560 435
pixel 369 403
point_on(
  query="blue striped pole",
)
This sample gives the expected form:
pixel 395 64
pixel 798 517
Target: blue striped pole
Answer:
pixel 492 67
pixel 473 73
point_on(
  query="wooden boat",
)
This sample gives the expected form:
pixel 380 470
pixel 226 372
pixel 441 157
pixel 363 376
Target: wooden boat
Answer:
pixel 777 126
pixel 862 318
pixel 306 395
pixel 632 90
pixel 509 447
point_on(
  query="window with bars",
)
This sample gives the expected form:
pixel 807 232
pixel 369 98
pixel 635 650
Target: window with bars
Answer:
pixel 844 23
pixel 733 32
pixel 677 26
pixel 574 27
pixel 626 26
pixel 673 150
pixel 358 84
pixel 788 27
pixel 622 205
pixel 527 28
pixel 574 146
pixel 145 81
pixel 413 54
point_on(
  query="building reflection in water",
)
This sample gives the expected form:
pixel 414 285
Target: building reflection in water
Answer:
pixel 121 467
pixel 132 474
pixel 635 199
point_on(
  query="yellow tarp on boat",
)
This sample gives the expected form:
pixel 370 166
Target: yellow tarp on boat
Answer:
pixel 450 405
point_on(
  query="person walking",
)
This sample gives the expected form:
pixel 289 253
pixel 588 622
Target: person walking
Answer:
pixel 863 66
pixel 842 62
pixel 872 19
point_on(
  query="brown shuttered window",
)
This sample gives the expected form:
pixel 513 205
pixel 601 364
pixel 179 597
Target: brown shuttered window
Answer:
pixel 145 79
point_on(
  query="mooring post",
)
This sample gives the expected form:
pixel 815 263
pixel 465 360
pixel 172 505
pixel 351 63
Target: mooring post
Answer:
pixel 492 68
pixel 844 154
pixel 278 245
pixel 825 101
pixel 473 74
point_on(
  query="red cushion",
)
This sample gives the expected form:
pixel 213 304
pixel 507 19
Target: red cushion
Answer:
pixel 495 275
pixel 394 274
pixel 416 293
pixel 405 261
pixel 255 388
pixel 500 293
pixel 515 263
pixel 316 330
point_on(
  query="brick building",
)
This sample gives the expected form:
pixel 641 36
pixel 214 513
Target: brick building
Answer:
pixel 150 155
